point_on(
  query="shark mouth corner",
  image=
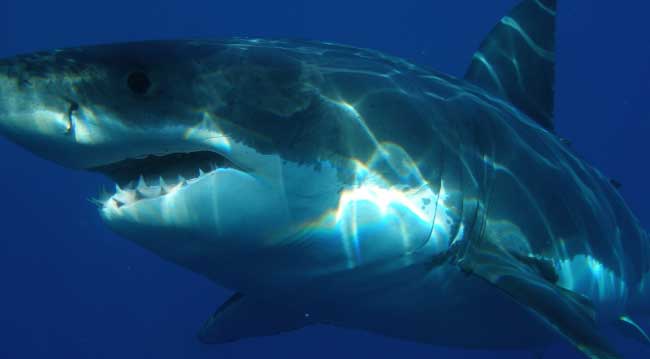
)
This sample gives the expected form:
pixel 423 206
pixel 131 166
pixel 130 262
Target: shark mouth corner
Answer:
pixel 154 176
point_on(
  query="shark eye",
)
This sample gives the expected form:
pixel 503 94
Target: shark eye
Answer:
pixel 138 82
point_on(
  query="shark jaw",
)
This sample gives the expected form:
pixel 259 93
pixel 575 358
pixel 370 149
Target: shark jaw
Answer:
pixel 197 209
pixel 153 176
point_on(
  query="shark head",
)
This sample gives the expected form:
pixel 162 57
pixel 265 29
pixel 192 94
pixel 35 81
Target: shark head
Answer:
pixel 228 157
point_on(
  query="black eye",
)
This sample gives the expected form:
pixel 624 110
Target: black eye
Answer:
pixel 138 82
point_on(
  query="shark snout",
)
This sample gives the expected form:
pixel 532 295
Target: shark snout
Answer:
pixel 39 121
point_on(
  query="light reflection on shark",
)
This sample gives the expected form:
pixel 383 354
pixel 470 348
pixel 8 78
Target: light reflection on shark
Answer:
pixel 330 184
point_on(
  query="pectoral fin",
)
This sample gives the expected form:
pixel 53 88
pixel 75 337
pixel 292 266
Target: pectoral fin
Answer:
pixel 567 312
pixel 243 317
pixel 632 330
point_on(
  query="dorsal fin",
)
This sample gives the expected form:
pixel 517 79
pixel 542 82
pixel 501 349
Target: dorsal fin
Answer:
pixel 517 60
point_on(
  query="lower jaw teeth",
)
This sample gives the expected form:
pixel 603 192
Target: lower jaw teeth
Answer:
pixel 129 196
pixel 142 190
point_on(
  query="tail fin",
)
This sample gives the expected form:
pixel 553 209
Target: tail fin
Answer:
pixel 517 60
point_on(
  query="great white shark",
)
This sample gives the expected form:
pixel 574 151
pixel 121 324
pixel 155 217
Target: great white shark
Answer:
pixel 329 184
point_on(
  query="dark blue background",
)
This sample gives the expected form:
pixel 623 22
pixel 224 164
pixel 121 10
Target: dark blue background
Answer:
pixel 69 288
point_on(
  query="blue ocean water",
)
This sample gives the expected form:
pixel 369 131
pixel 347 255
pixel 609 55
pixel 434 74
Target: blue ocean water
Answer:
pixel 70 288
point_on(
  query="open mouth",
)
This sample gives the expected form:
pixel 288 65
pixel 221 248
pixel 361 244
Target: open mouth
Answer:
pixel 154 176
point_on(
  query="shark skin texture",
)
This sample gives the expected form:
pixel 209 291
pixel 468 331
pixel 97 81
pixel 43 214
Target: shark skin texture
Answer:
pixel 328 184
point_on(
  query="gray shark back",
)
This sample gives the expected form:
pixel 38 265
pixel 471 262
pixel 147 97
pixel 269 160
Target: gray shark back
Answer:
pixel 521 203
pixel 525 212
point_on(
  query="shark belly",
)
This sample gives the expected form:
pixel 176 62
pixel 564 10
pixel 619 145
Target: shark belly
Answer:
pixel 443 306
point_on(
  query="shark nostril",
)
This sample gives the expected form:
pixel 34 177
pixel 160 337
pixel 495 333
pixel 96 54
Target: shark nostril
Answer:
pixel 73 107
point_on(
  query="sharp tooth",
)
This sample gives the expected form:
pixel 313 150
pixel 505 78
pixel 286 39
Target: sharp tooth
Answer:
pixel 118 203
pixel 138 195
pixel 141 183
pixel 201 173
pixel 117 188
pixel 163 186
pixel 181 180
